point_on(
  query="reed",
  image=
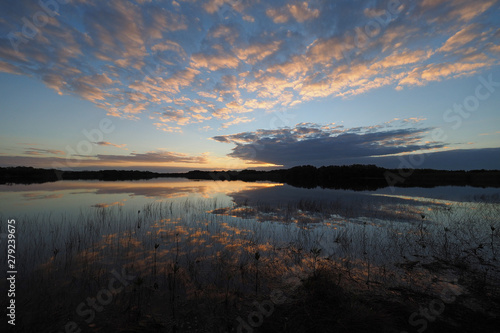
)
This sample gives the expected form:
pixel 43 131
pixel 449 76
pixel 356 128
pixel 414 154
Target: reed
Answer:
pixel 193 263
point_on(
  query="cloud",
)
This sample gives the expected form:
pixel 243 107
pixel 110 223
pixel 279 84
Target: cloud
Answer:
pixel 207 94
pixel 201 117
pixel 309 143
pixel 41 152
pixel 467 10
pixel 293 67
pixel 212 6
pixel 227 32
pixel 190 115
pixel 164 20
pixel 105 143
pixel 89 92
pixel 299 10
pixel 153 157
pixel 461 10
pixel 461 38
pixel 279 15
pixel 437 72
pixel 158 158
pixel 238 120
pixel 260 104
pixel 402 58
pixel 492 133
pixel 8 68
pixel 172 46
pixel 327 50
pixel 214 61
pixel 168 128
pixel 133 59
pixel 258 51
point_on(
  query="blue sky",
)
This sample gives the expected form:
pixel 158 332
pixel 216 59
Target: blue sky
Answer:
pixel 233 84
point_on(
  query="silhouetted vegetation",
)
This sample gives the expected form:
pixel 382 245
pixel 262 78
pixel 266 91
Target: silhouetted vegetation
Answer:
pixel 192 268
pixel 356 177
pixel 29 175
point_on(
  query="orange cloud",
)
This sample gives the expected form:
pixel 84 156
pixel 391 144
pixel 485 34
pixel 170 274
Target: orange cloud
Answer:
pixel 214 62
pixel 460 39
pixel 257 52
pixel 300 11
pixel 238 120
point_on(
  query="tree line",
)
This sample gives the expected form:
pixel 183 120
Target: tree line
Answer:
pixel 356 177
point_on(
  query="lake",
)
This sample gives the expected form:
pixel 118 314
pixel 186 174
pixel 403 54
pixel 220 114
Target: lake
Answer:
pixel 200 253
pixel 70 197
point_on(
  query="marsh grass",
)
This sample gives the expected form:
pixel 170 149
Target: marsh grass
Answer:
pixel 198 265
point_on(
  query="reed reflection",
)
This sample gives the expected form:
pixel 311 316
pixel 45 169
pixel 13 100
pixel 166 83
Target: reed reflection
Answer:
pixel 200 254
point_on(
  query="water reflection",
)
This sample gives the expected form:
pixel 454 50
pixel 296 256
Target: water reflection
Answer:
pixel 71 196
pixel 220 245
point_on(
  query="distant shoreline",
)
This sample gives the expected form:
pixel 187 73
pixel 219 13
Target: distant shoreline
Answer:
pixel 356 177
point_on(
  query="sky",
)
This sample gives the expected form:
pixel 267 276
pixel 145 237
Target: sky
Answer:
pixel 248 84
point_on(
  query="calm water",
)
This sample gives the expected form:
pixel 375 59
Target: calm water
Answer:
pixel 72 197
pixel 271 213
pixel 195 241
